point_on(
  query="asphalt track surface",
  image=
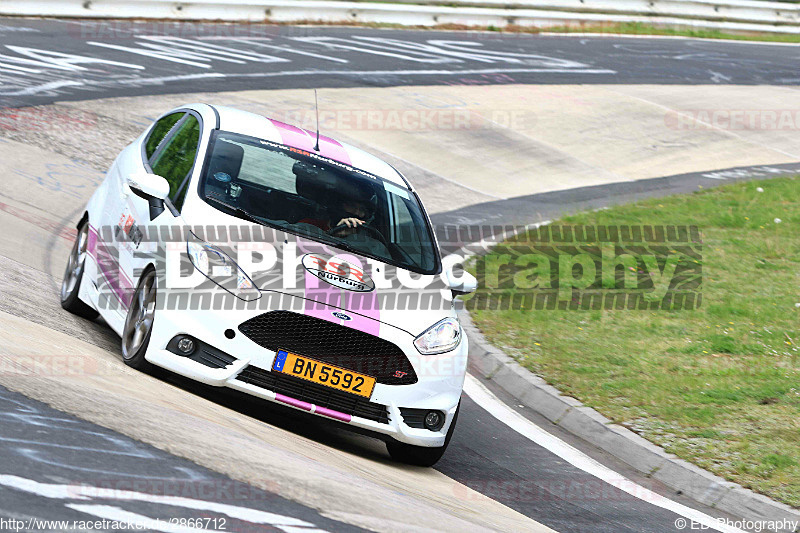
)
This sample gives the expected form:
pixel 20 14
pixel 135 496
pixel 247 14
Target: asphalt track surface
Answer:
pixel 98 59
pixel 52 448
pixel 105 469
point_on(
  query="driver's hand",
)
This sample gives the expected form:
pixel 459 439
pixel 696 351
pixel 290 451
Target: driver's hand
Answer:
pixel 351 222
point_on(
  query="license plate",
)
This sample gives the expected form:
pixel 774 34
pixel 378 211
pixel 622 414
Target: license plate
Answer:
pixel 323 373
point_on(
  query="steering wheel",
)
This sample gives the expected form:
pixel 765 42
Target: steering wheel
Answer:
pixel 375 233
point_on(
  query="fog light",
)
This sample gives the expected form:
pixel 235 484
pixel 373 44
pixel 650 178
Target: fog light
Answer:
pixel 186 345
pixel 434 420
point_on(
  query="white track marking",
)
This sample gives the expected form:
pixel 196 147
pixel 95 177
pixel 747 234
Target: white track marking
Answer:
pixel 280 48
pixel 165 79
pixel 356 73
pixel 334 43
pixel 62 61
pixel 488 401
pixel 51 86
pixel 360 73
pixel 88 493
pixel 17 67
pixel 214 51
pixel 156 54
pixel 115 514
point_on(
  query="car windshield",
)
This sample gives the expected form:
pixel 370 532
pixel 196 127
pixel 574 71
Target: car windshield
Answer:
pixel 316 197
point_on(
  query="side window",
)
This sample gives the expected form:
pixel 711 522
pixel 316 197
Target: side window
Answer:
pixel 176 158
pixel 160 131
pixel 406 232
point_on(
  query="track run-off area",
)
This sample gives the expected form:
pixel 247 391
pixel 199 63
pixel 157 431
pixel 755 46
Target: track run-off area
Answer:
pixel 490 128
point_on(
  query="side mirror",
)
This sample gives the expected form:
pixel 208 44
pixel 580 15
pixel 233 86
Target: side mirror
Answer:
pixel 152 188
pixel 465 283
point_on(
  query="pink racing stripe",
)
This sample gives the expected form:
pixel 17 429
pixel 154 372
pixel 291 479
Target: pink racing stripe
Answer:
pixel 324 411
pixel 366 310
pixel 110 269
pixel 332 149
pixel 365 314
pixel 332 414
pixel 305 140
pixel 321 299
pixel 91 241
pixel 294 136
pixel 119 282
pixel 305 406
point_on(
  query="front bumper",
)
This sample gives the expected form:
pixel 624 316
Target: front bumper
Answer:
pixel 439 385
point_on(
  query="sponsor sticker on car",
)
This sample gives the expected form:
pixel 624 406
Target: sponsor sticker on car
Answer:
pixel 338 272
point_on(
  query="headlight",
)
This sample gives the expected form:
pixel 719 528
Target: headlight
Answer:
pixel 217 266
pixel 439 338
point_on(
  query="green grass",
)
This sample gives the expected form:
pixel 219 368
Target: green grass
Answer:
pixel 719 385
pixel 640 28
pixel 625 28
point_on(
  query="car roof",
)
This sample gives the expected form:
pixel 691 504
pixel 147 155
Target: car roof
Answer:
pixel 261 127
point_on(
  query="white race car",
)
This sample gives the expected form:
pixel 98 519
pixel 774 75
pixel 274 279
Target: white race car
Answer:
pixel 243 252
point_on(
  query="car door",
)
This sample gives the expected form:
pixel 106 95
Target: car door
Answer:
pixel 173 158
pixel 114 277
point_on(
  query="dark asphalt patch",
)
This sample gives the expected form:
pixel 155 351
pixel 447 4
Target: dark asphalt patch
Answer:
pixel 100 467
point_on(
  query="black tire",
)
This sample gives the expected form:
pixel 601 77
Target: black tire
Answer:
pixel 73 275
pixel 419 455
pixel 139 322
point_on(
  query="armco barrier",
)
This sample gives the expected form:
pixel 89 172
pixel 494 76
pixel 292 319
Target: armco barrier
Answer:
pixel 710 10
pixel 729 15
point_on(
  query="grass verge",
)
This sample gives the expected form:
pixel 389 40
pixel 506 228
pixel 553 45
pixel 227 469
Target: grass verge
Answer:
pixel 718 386
pixel 618 28
pixel 640 28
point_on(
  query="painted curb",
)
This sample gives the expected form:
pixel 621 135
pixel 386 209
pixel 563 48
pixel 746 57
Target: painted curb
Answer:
pixel 584 422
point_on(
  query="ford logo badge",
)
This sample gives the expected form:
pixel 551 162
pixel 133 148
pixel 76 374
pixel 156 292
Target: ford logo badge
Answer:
pixel 341 316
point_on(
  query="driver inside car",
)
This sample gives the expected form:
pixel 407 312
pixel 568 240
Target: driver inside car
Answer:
pixel 355 213
pixel 347 216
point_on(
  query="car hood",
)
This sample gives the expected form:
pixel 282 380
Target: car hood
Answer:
pixel 359 292
pixel 321 280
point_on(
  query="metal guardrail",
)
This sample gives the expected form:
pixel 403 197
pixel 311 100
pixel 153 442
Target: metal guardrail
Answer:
pixel 728 15
pixel 738 10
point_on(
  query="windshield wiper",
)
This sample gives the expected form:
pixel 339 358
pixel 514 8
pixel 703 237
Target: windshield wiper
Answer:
pixel 344 245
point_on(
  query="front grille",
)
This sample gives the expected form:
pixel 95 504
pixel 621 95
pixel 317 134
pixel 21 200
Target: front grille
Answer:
pixel 213 358
pixel 331 343
pixel 306 391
